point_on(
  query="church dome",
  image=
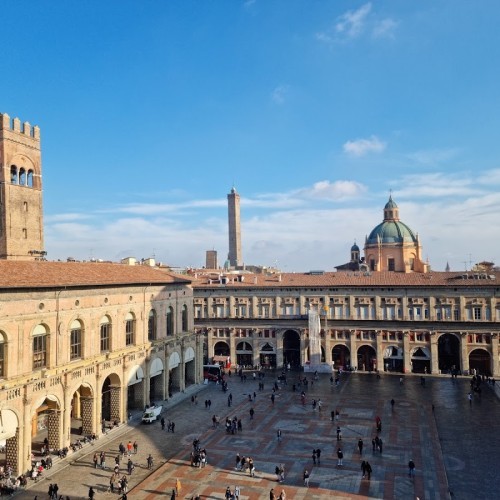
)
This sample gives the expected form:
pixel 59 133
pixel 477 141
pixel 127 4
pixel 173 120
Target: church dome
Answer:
pixel 391 231
pixel 391 204
pixel 355 248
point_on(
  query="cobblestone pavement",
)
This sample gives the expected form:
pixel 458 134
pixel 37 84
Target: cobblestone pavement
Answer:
pixel 465 443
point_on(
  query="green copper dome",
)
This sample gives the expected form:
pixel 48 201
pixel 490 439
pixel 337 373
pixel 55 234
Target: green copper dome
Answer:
pixel 391 231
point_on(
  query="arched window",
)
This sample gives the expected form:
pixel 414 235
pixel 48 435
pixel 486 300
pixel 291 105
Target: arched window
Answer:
pixel 22 176
pixel 40 349
pixel 75 333
pixel 152 325
pixel 30 178
pixel 129 329
pixel 105 333
pixel 3 354
pixel 13 174
pixel 184 318
pixel 170 321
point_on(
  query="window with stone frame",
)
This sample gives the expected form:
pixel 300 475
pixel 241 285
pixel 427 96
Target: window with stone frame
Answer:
pixel 170 322
pixel 129 329
pixel 105 335
pixel 3 352
pixel 184 318
pixel 75 343
pixel 39 351
pixel 152 325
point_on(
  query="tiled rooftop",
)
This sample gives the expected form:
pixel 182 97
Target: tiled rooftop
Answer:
pixel 39 274
pixel 346 279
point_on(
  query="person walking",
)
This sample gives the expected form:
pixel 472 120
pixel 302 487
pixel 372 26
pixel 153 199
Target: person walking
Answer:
pixel 360 446
pixel 339 434
pixel 318 456
pixel 306 478
pixel 368 470
pixel 340 457
pixel 162 421
pixel 278 435
pixel 91 493
pixel 411 468
pixel 136 447
pixel 363 469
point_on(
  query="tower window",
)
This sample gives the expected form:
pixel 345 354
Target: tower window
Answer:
pixel 25 206
pixel 22 177
pixel 30 178
pixel 13 174
pixel 25 233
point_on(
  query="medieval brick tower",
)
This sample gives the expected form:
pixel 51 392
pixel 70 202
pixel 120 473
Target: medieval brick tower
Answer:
pixel 233 206
pixel 21 217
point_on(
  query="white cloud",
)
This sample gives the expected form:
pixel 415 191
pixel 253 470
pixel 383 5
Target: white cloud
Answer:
pixel 384 28
pixel 334 191
pixel 361 147
pixel 352 23
pixel 279 94
pixel 433 157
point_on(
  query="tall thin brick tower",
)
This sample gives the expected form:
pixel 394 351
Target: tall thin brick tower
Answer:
pixel 233 207
pixel 21 215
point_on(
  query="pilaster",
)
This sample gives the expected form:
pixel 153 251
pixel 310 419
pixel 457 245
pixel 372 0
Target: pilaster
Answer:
pixel 464 357
pixel 434 354
pixel 380 351
pixel 406 352
pixel 495 369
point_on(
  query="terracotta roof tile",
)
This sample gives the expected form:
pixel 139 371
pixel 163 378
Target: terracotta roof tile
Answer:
pixel 353 279
pixel 39 274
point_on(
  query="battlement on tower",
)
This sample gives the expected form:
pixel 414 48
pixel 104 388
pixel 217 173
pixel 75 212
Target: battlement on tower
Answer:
pixel 15 126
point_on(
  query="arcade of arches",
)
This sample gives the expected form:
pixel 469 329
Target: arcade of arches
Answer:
pixel 84 401
pixel 401 351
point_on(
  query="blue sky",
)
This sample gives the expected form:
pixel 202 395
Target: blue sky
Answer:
pixel 150 111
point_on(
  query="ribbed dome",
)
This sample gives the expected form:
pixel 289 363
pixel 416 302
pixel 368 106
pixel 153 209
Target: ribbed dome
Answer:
pixel 391 231
pixel 390 204
pixel 355 248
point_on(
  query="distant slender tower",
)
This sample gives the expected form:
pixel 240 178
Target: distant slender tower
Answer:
pixel 21 216
pixel 233 207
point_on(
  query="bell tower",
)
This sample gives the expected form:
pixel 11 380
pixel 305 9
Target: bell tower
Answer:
pixel 21 215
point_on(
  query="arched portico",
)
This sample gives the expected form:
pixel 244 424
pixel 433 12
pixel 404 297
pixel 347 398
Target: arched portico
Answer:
pixel 46 424
pixel 267 354
pixel 480 362
pixel 420 360
pixel 291 349
pixel 135 388
pixel 367 358
pixel 393 359
pixel 156 380
pixel 189 367
pixel 449 353
pixel 111 398
pixel 9 433
pixel 82 410
pixel 244 354
pixel 174 373
pixel 222 348
pixel 341 357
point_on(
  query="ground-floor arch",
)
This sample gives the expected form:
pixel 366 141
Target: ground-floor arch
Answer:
pixel 341 357
pixel 480 362
pixel 244 354
pixel 135 388
pixel 174 374
pixel 111 398
pixel 189 367
pixel 393 359
pixel 9 434
pixel 367 358
pixel 291 349
pixel 267 355
pixel 449 353
pixel 156 380
pixel 420 360
pixel 221 348
pixel 46 425
pixel 82 410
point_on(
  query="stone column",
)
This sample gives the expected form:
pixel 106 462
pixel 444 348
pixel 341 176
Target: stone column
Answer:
pixel 380 351
pixel 434 354
pixel 353 348
pixel 495 369
pixel 13 455
pixel 406 352
pixel 116 403
pixel 279 348
pixel 25 434
pixel 464 356
pixel 255 349
pixel 232 345
pixel 87 405
pixel 54 429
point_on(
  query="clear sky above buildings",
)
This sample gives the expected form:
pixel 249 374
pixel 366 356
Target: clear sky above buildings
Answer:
pixel 150 111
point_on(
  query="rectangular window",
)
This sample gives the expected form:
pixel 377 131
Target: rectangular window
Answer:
pixel 456 314
pixel 477 313
pixel 197 312
pixel 39 351
pixel 391 265
pixel 2 358
pixel 105 337
pixel 75 344
pixel 130 332
pixel 152 326
pixel 372 264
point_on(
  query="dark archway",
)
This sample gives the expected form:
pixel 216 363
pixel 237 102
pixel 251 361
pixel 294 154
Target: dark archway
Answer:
pixel 267 356
pixel 393 359
pixel 341 357
pixel 421 360
pixel 221 349
pixel 244 354
pixel 480 361
pixel 367 358
pixel 449 353
pixel 291 349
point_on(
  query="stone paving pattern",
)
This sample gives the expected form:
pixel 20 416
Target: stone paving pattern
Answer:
pixel 408 431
